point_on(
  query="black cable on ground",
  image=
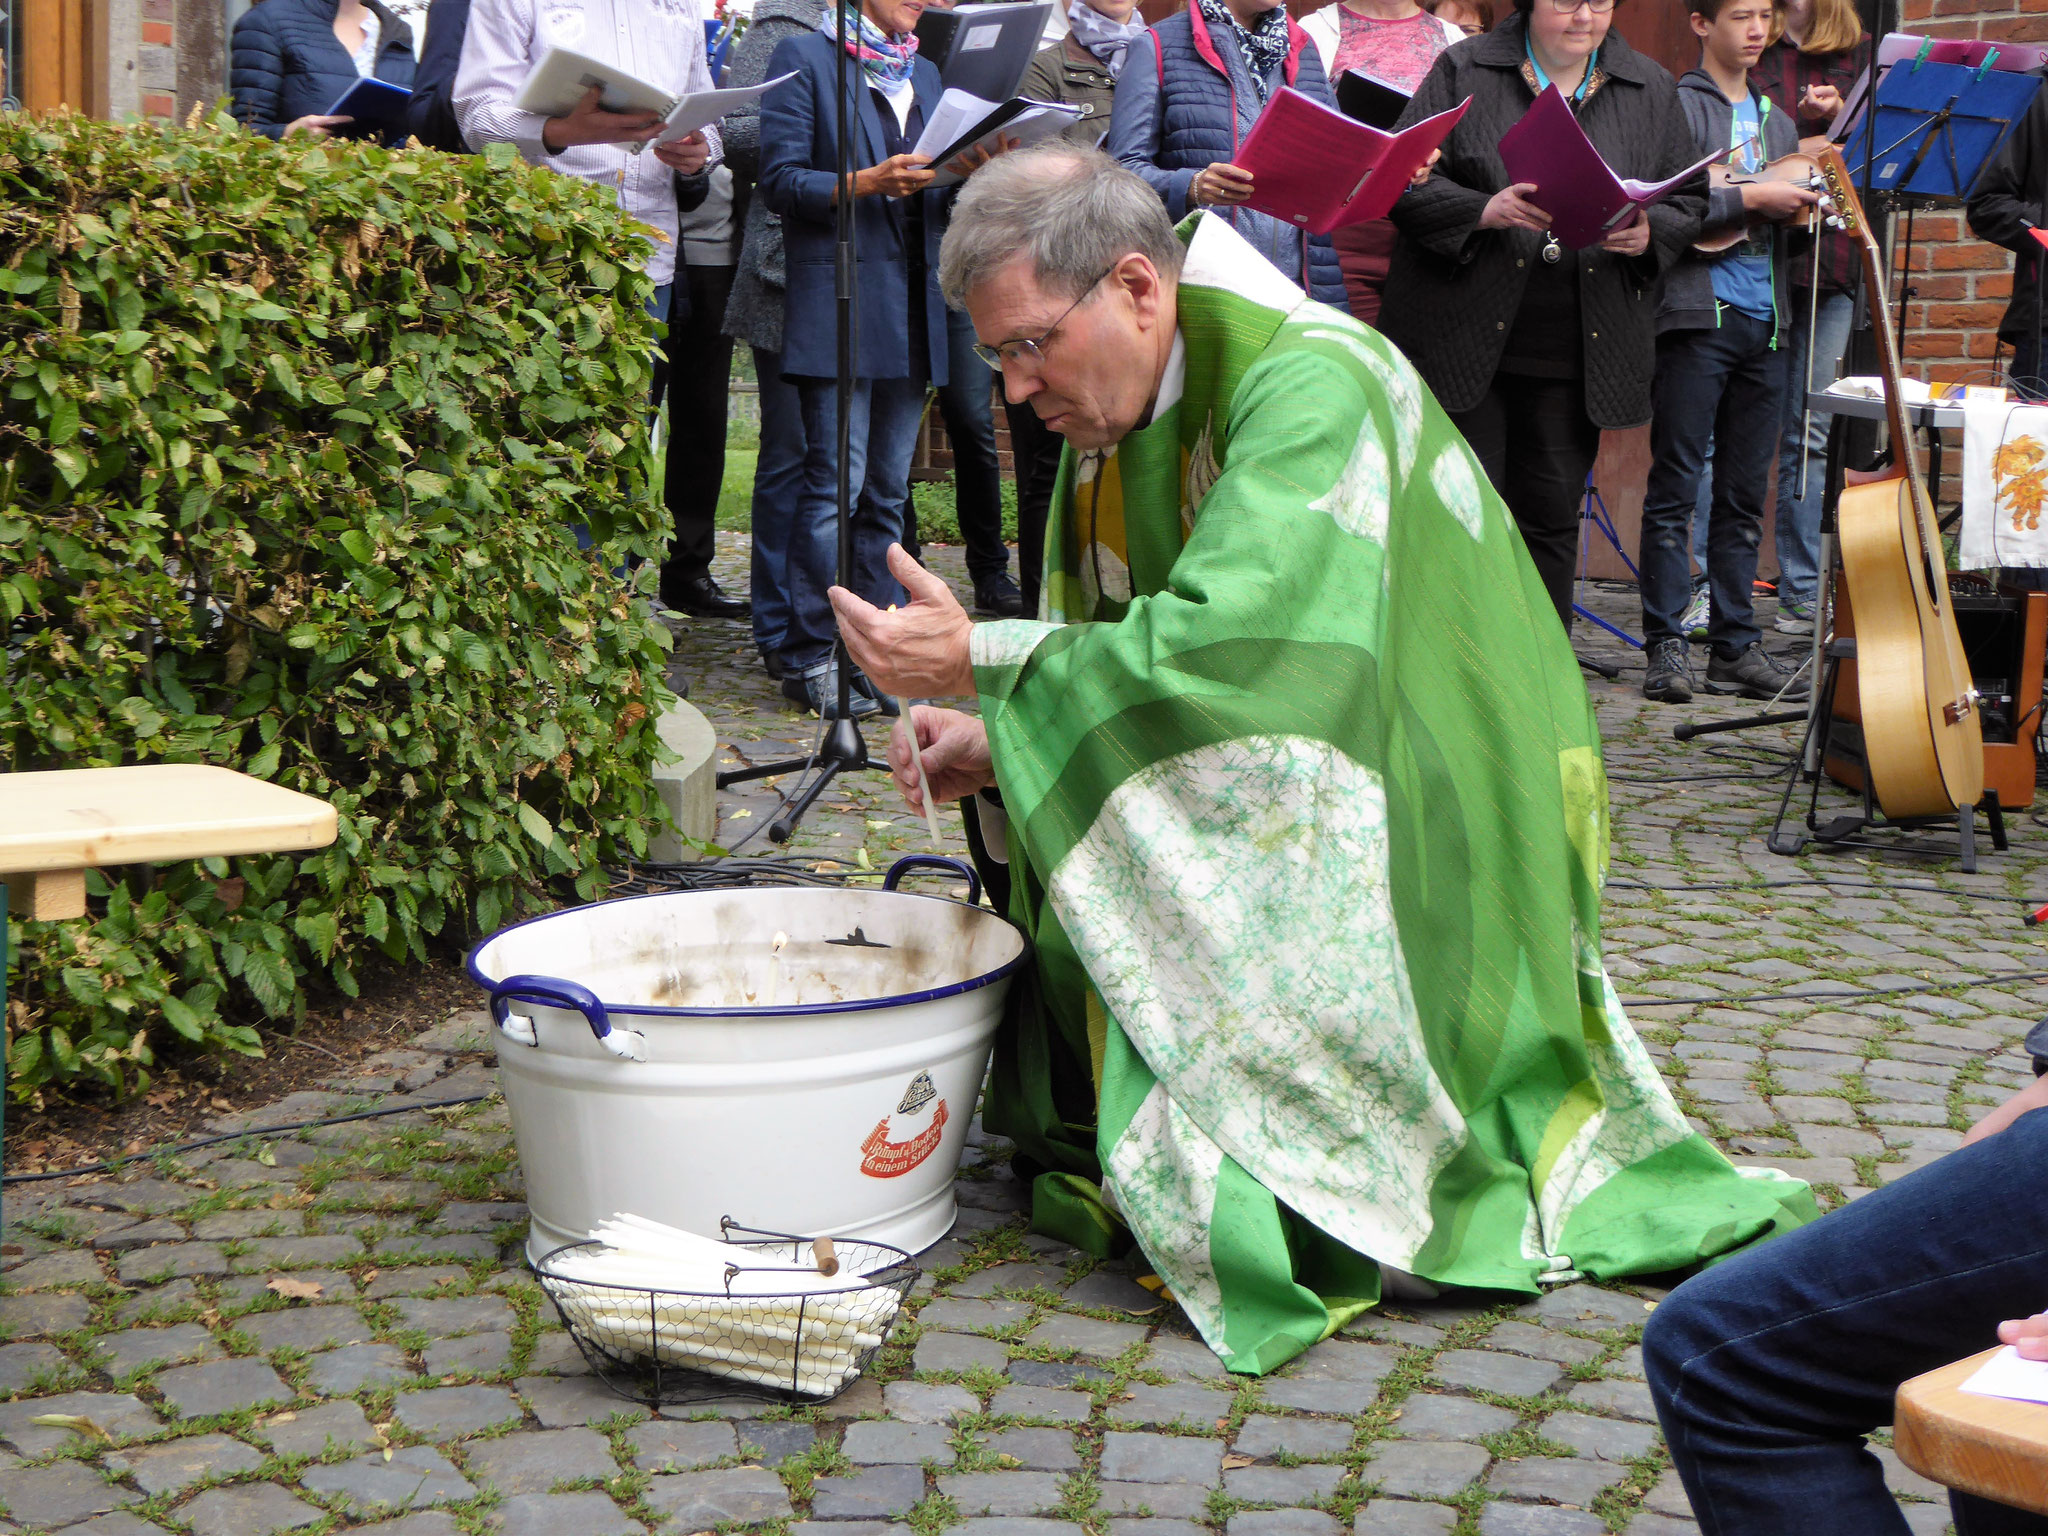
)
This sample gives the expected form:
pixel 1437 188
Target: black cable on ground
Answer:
pixel 261 1130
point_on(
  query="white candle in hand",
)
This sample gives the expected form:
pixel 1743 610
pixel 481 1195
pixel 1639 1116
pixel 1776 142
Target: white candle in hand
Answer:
pixel 924 788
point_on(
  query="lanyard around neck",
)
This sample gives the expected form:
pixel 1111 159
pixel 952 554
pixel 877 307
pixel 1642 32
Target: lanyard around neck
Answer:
pixel 1543 80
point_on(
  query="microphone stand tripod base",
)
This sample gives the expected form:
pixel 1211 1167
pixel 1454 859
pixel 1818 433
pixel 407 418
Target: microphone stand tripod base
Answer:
pixel 844 750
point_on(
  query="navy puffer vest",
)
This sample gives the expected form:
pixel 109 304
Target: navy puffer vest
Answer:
pixel 1205 85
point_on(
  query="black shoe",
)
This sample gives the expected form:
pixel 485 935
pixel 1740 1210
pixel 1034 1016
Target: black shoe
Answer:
pixel 703 598
pixel 998 595
pixel 1755 674
pixel 772 664
pixel 819 690
pixel 1668 672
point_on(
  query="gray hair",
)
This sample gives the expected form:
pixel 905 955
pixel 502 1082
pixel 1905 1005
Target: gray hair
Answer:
pixel 1072 210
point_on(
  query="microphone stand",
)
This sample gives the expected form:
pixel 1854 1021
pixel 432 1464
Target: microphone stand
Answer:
pixel 842 748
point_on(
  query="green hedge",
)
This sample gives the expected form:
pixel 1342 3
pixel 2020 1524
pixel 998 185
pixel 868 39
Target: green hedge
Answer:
pixel 293 442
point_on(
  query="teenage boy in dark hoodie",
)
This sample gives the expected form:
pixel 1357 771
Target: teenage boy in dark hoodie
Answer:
pixel 1720 320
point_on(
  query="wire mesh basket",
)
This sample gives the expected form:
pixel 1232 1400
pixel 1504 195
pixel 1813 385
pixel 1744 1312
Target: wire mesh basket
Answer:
pixel 663 1347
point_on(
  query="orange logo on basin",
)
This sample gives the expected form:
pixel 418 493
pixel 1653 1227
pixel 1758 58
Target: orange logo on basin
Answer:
pixel 882 1158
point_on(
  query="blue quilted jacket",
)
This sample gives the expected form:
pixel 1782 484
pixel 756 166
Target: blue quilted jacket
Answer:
pixel 1174 116
pixel 287 63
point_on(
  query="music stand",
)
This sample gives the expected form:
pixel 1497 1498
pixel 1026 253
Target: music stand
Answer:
pixel 1928 130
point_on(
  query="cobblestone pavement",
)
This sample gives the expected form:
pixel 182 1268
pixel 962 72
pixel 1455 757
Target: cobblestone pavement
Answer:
pixel 333 1330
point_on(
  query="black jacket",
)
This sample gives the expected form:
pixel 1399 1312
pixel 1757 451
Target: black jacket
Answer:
pixel 1685 300
pixel 1454 289
pixel 287 63
pixel 430 115
pixel 2005 206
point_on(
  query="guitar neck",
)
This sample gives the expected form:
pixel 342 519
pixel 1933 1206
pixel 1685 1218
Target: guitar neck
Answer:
pixel 1903 444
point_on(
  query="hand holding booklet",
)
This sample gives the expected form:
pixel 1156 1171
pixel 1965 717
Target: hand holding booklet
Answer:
pixel 1586 201
pixel 961 122
pixel 560 79
pixel 1320 170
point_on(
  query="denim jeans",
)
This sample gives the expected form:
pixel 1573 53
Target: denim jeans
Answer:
pixel 881 437
pixel 778 480
pixel 1799 516
pixel 966 405
pixel 1769 1369
pixel 1720 384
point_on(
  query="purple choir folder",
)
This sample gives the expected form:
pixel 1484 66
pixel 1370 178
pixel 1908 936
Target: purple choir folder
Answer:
pixel 1315 168
pixel 1580 192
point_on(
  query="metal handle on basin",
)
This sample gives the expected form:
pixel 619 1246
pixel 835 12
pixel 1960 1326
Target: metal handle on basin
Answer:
pixel 959 867
pixel 558 993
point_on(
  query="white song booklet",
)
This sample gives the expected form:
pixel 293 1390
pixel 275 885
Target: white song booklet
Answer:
pixel 562 76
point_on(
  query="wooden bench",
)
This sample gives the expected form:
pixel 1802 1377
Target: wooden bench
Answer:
pixel 55 826
pixel 1991 1446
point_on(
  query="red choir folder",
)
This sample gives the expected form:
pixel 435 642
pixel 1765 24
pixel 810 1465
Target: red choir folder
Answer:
pixel 1314 167
pixel 1578 189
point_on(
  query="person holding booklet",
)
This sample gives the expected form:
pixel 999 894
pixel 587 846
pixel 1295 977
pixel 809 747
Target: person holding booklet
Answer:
pixel 293 59
pixel 659 41
pixel 1190 91
pixel 1532 346
pixel 902 327
pixel 1079 70
pixel 1721 322
pixel 1395 42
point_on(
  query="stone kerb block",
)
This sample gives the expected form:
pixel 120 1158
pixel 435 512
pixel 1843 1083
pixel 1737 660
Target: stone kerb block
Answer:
pixel 686 786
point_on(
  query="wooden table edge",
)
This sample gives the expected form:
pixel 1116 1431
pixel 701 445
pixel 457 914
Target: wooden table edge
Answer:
pixel 1936 1426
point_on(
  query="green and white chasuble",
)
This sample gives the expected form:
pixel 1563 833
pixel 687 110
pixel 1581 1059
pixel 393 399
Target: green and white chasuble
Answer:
pixel 1307 822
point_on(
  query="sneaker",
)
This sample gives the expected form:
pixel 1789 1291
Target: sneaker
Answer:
pixel 818 689
pixel 1693 623
pixel 1794 618
pixel 998 595
pixel 865 685
pixel 1668 673
pixel 1755 674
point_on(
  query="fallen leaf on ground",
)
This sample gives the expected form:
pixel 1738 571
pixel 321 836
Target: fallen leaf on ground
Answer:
pixel 77 1423
pixel 1235 1460
pixel 297 1290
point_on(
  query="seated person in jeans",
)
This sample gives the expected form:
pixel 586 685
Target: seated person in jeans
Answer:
pixel 1769 1369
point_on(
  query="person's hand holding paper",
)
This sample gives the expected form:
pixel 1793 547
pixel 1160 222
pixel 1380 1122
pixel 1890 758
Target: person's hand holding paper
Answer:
pixel 686 155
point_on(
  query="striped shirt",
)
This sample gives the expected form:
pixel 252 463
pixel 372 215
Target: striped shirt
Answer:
pixel 659 41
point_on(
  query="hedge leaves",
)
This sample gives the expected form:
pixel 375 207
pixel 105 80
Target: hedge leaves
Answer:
pixel 294 440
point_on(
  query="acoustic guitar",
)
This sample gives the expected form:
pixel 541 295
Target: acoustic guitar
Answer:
pixel 1923 743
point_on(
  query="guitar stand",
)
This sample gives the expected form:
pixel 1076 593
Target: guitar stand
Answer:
pixel 1822 742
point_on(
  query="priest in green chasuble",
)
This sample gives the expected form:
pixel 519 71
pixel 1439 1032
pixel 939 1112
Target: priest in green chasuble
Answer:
pixel 1300 799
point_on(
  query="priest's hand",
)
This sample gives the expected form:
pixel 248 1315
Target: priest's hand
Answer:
pixel 914 652
pixel 956 755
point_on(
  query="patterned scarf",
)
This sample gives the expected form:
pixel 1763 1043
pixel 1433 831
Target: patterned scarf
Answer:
pixel 1107 40
pixel 1264 48
pixel 886 59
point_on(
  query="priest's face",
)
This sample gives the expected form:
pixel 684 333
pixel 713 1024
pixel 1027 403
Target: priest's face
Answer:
pixel 1089 368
